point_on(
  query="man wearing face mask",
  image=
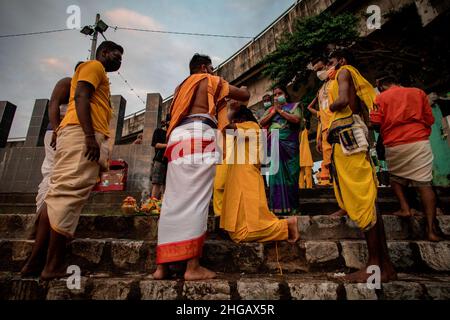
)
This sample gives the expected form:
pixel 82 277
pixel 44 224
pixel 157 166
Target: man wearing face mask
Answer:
pixel 267 101
pixel 82 149
pixel 324 73
pixel 354 178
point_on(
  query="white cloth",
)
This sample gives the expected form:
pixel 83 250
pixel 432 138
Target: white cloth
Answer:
pixel 358 133
pixel 46 170
pixel 413 161
pixel 189 187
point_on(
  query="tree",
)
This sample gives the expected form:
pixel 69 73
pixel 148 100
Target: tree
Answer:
pixel 309 39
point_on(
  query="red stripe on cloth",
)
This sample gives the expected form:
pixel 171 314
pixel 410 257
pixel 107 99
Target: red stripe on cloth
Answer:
pixel 184 148
pixel 179 251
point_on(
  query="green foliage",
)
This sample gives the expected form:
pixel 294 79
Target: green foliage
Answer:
pixel 309 39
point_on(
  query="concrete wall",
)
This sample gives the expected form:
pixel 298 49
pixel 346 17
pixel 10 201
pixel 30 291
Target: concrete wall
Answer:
pixel 20 166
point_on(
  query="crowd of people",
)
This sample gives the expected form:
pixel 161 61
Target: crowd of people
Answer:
pixel 195 162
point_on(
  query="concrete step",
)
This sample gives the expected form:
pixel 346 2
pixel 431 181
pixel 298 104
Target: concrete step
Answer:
pixel 226 287
pixel 18 226
pixel 311 201
pixel 25 203
pixel 120 256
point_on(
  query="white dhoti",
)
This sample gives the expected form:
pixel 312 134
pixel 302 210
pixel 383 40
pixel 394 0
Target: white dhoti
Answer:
pixel 46 170
pixel 189 185
pixel 412 161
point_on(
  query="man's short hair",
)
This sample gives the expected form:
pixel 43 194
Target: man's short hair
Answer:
pixel 343 53
pixel 386 80
pixel 77 65
pixel 108 46
pixel 317 59
pixel 197 61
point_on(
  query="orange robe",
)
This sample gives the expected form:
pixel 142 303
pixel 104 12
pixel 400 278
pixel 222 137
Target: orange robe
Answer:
pixel 218 90
pixel 306 162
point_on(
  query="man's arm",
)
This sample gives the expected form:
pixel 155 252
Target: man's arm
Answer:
pixel 60 95
pixel 344 91
pixel 239 94
pixel 311 107
pixel 83 94
pixel 428 113
pixel 161 146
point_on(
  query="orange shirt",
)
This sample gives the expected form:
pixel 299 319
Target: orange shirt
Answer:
pixel 404 115
pixel 101 111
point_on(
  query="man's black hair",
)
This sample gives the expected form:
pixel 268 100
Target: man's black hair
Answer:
pixel 245 113
pixel 77 65
pixel 343 53
pixel 386 80
pixel 108 46
pixel 317 59
pixel 197 61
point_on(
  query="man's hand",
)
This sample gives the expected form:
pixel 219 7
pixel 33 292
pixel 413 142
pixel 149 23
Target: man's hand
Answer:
pixel 53 142
pixel 92 149
pixel 319 146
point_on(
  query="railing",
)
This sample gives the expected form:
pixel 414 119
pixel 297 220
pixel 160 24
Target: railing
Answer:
pixel 16 139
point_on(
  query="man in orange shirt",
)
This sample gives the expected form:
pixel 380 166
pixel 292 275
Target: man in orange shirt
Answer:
pixel 405 118
pixel 81 150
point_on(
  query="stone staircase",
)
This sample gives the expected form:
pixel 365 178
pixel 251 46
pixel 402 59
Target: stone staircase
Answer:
pixel 116 256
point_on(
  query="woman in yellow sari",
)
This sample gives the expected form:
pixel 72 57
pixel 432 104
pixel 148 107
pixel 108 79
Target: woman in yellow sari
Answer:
pixel 245 213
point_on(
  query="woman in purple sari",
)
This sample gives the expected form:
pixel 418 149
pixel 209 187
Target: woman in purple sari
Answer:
pixel 284 167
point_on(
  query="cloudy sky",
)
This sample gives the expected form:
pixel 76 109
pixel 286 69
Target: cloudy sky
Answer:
pixel 31 65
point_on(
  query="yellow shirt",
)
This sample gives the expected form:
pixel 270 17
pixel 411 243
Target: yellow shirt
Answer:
pixel 94 73
pixel 364 90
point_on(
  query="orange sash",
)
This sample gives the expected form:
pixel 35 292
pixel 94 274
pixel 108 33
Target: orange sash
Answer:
pixel 218 90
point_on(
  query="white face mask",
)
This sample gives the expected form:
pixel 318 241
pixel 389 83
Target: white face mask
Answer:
pixel 322 75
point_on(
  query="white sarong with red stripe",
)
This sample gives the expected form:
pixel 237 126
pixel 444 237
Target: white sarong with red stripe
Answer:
pixel 189 184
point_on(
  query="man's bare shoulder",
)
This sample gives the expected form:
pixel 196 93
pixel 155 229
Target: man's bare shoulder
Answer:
pixel 344 74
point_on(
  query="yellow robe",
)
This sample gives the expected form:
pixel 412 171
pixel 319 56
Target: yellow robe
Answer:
pixel 306 162
pixel 355 184
pixel 245 213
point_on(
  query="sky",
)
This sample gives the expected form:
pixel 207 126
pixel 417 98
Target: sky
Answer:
pixel 31 65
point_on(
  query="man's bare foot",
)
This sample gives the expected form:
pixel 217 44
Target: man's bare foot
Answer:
pixel 32 269
pixel 403 214
pixel 294 235
pixel 50 275
pixel 161 273
pixel 431 236
pixel 360 276
pixel 339 213
pixel 199 273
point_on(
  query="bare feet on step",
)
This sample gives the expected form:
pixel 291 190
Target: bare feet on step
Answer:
pixel 403 214
pixel 161 273
pixel 199 273
pixel 294 234
pixel 339 213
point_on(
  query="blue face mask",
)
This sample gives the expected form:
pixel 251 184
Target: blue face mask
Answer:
pixel 281 99
pixel 267 104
